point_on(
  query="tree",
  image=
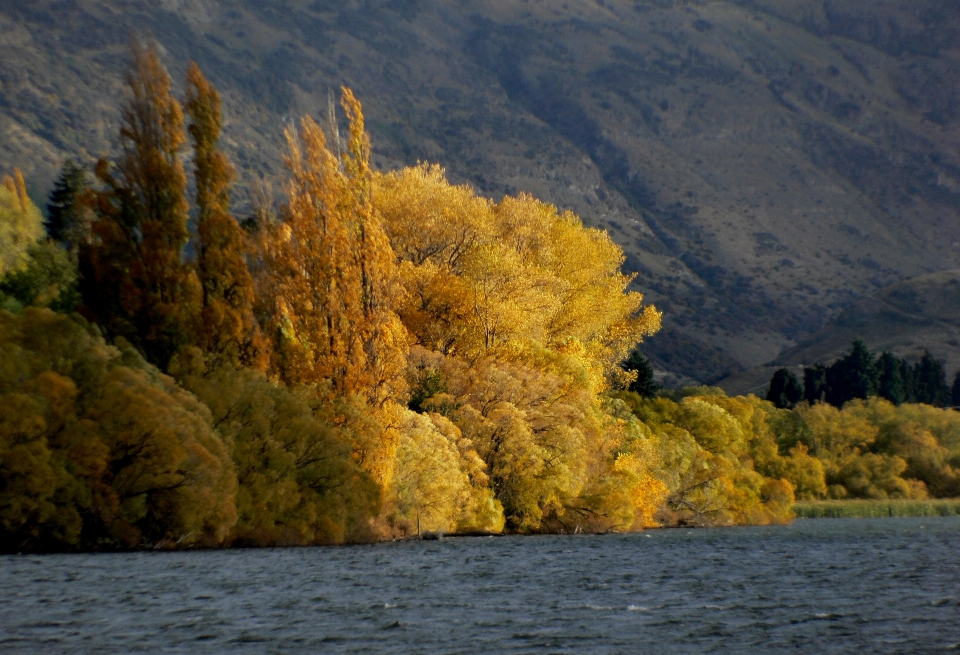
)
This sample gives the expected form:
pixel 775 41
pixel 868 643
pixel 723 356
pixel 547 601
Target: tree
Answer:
pixel 955 391
pixel 135 281
pixel 227 326
pixel 329 281
pixel 853 376
pixel 815 387
pixel 785 389
pixel 21 224
pixel 890 382
pixel 929 380
pixel 68 210
pixel 643 384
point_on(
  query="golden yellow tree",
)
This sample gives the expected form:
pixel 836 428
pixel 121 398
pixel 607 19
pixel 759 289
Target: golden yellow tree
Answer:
pixel 21 224
pixel 329 271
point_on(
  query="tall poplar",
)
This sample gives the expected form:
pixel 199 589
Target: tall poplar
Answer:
pixel 135 280
pixel 330 271
pixel 227 326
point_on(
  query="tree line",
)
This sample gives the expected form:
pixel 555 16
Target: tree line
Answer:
pixel 859 375
pixel 374 355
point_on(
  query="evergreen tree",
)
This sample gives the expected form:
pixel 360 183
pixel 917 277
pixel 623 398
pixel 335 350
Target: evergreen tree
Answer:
pixel 890 382
pixel 955 391
pixel 134 279
pixel 644 384
pixel 227 325
pixel 930 382
pixel 815 388
pixel 785 389
pixel 853 376
pixel 68 214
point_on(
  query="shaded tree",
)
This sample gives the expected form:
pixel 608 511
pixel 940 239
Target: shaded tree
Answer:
pixel 644 384
pixel 134 279
pixel 815 387
pixel 785 389
pixel 891 384
pixel 853 376
pixel 227 326
pixel 929 382
pixel 69 207
pixel 955 391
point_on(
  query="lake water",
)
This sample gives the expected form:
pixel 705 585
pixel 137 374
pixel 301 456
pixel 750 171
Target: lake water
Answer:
pixel 817 586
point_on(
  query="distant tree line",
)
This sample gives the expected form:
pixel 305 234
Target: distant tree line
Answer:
pixel 860 375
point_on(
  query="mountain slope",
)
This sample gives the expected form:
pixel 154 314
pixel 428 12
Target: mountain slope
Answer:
pixel 763 163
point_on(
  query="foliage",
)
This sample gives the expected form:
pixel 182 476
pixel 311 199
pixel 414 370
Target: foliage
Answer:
pixel 227 326
pixel 328 287
pixel 98 449
pixel 134 280
pixel 69 207
pixel 643 383
pixel 859 376
pixel 298 483
pixel 49 279
pixel 785 389
pixel 21 224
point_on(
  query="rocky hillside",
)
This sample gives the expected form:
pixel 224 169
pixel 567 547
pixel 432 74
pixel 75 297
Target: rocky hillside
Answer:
pixel 764 163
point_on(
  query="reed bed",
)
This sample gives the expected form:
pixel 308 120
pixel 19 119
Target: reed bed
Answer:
pixel 845 509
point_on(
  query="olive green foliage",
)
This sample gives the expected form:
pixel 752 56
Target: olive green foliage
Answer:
pixel 875 509
pixel 298 483
pixel 98 449
pixel 48 279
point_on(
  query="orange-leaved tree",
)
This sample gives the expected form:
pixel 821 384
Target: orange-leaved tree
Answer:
pixel 328 273
pixel 135 280
pixel 227 326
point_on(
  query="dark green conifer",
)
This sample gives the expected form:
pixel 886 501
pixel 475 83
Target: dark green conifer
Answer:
pixel 930 382
pixel 955 391
pixel 644 384
pixel 853 376
pixel 890 382
pixel 815 386
pixel 785 389
pixel 68 208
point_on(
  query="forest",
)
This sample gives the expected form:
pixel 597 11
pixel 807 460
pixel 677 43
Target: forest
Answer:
pixel 377 355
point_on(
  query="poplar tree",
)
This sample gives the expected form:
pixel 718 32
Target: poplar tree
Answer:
pixel 227 326
pixel 135 280
pixel 329 271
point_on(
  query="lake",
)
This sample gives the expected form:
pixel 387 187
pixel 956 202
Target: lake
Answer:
pixel 817 586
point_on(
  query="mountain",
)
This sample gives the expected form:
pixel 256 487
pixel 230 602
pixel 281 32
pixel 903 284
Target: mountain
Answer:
pixel 765 164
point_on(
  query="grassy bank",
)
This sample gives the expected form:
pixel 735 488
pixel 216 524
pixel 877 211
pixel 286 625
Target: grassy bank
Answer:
pixel 845 509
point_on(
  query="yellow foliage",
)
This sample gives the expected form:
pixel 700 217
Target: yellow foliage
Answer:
pixel 21 224
pixel 328 282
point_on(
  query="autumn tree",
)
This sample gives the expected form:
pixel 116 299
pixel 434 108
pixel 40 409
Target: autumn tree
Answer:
pixel 21 224
pixel 226 324
pixel 98 449
pixel 135 280
pixel 329 279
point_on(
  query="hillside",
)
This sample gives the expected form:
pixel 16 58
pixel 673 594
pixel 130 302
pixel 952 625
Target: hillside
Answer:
pixel 764 164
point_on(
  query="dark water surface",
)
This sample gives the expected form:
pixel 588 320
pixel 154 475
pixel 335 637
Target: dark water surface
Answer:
pixel 818 586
